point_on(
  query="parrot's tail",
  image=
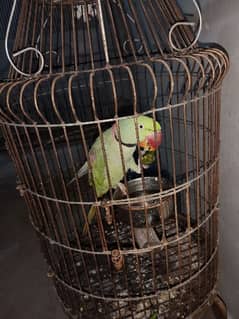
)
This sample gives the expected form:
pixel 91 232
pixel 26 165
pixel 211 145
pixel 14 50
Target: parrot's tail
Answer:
pixel 90 217
pixel 83 171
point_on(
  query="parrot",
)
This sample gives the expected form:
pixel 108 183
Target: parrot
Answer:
pixel 149 137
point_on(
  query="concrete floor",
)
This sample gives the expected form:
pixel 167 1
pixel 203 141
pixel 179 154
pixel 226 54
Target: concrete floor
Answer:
pixel 25 290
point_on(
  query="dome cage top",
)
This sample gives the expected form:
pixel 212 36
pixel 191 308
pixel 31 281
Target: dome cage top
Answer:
pixel 80 35
pixel 110 46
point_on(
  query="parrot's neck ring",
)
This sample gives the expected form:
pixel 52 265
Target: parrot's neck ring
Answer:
pixel 121 142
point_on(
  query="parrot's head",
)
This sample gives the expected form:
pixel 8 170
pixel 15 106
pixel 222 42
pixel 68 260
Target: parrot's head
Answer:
pixel 149 132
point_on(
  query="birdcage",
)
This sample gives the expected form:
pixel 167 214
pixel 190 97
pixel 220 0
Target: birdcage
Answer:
pixel 79 70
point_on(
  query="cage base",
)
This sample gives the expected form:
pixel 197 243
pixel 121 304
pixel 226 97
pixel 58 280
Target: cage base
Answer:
pixel 213 304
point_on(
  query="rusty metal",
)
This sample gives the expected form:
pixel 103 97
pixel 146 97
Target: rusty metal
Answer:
pixel 117 260
pixel 154 250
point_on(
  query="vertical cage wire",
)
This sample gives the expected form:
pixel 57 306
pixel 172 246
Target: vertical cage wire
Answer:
pixel 153 248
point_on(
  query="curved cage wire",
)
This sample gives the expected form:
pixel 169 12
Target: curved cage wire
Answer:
pixel 152 247
pixel 82 35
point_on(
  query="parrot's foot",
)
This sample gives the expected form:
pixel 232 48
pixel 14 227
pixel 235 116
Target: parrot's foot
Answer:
pixel 123 188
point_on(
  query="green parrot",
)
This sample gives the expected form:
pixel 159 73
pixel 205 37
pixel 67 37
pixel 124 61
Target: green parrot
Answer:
pixel 149 137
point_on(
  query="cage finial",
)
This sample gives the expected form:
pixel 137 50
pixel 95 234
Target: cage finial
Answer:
pixel 38 53
pixel 186 24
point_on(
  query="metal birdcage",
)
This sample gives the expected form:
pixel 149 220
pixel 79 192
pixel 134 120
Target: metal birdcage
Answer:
pixel 79 68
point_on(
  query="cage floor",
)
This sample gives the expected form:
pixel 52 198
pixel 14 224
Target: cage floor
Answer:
pixel 175 279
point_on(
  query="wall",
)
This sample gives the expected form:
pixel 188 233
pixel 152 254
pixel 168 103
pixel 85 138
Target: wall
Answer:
pixel 220 24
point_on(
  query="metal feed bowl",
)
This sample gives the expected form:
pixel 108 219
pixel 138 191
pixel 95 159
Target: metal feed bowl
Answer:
pixel 149 212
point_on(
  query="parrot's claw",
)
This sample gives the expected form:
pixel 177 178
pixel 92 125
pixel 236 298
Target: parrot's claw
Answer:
pixel 123 189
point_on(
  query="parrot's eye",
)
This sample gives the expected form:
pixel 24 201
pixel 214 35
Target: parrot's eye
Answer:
pixel 141 126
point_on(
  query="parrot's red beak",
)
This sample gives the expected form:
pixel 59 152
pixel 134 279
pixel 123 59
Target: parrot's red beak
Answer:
pixel 152 141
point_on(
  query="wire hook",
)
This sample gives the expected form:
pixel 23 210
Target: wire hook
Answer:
pixel 187 24
pixel 39 54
